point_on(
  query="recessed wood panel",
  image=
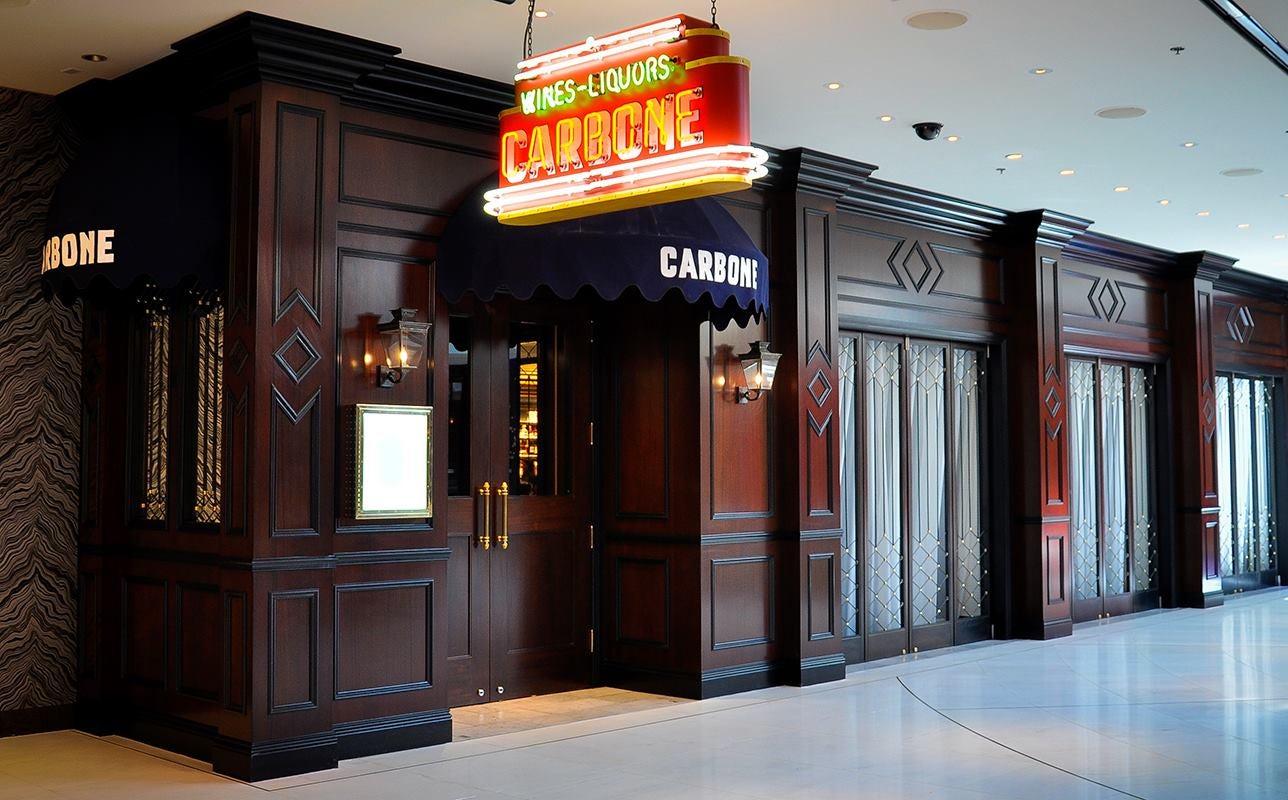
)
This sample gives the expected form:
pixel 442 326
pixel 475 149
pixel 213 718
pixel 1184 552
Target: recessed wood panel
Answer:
pixel 965 274
pixel 292 650
pixel 298 223
pixel 383 637
pixel 295 466
pixel 868 257
pixel 200 655
pixel 237 472
pixel 144 638
pixel 820 590
pixel 643 601
pixel 539 604
pixel 641 423
pixel 236 650
pixel 742 601
pixel 460 588
pixel 405 173
pixel 741 443
pixel 88 605
pixel 1055 570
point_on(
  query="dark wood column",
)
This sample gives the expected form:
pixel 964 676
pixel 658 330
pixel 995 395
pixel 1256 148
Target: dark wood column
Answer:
pixel 1196 562
pixel 804 327
pixel 1041 557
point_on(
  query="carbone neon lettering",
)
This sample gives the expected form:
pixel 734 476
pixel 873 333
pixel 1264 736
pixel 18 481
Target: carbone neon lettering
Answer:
pixel 641 127
pixel 611 81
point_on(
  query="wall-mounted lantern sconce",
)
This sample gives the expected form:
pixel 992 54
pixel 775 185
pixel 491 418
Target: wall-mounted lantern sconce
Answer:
pixel 759 364
pixel 404 341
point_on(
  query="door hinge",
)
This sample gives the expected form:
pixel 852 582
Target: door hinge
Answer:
pixel 592 640
pixel 592 537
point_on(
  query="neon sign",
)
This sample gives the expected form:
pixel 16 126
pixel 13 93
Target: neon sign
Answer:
pixel 647 115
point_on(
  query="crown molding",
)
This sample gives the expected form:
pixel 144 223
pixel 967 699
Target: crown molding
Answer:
pixel 411 88
pixel 1111 251
pixel 811 172
pixel 251 47
pixel 925 209
pixel 1254 284
pixel 1205 265
pixel 1046 228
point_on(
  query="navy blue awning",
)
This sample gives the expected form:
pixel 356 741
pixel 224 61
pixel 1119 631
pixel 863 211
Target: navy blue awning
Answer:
pixel 145 203
pixel 692 246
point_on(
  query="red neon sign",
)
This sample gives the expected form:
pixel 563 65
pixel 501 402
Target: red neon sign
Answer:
pixel 646 115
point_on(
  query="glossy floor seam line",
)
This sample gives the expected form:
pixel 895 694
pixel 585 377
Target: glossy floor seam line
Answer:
pixel 1171 705
pixel 1011 749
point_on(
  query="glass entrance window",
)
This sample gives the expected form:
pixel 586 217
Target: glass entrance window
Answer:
pixel 537 423
pixel 1111 465
pixel 1246 478
pixel 914 546
pixel 459 343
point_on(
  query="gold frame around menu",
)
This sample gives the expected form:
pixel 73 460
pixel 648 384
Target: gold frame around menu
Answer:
pixel 413 454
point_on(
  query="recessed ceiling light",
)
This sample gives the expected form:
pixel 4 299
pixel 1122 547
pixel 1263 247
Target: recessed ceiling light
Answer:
pixel 1067 172
pixel 95 58
pixel 1164 202
pixel 886 118
pixel 953 138
pixel 1121 112
pixel 1121 189
pixel 1014 156
pixel 1041 70
pixel 1241 172
pixel 1204 214
pixel 833 85
pixel 1243 226
pixel 936 20
pixel 541 13
pixel 1188 145
pixel 72 71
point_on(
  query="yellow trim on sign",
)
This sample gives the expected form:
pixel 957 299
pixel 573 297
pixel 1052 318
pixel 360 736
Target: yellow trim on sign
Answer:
pixel 509 111
pixel 686 189
pixel 702 62
pixel 706 32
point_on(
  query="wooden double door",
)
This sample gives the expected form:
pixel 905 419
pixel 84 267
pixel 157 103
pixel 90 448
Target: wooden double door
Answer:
pixel 519 507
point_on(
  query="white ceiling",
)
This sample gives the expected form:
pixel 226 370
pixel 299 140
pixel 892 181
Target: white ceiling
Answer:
pixel 1221 92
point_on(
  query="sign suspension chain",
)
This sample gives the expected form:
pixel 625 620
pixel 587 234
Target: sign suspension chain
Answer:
pixel 713 14
pixel 527 34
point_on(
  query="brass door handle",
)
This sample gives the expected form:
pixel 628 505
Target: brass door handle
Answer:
pixel 503 538
pixel 485 532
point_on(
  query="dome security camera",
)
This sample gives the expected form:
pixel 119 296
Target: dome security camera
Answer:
pixel 928 130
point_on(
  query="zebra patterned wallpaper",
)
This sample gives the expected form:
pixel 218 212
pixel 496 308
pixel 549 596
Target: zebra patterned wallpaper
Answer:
pixel 39 421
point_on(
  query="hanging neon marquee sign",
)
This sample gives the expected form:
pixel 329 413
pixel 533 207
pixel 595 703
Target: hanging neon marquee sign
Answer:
pixel 647 115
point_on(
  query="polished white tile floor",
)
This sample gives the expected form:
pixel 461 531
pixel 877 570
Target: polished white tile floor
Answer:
pixel 1170 704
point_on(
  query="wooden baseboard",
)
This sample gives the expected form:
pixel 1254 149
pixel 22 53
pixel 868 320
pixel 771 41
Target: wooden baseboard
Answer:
pixel 25 721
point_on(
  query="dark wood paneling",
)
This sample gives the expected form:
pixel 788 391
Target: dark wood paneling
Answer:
pixel 395 170
pixel 821 596
pixel 643 592
pixel 900 279
pixel 641 426
pixel 298 214
pixel 818 378
pixel 236 651
pixel 144 631
pixel 295 453
pixel 1250 333
pixel 743 601
pixel 383 637
pixel 1114 312
pixel 293 650
pixel 740 479
pixel 200 655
